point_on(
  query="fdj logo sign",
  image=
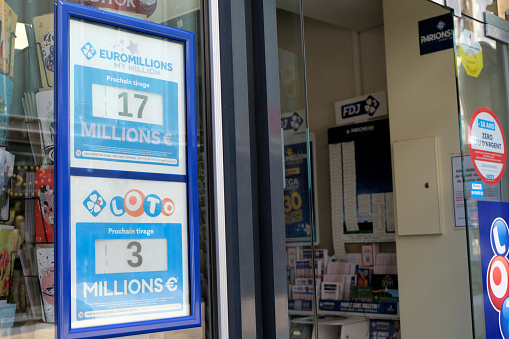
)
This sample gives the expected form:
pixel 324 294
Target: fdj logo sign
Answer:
pixel 135 203
pixel 497 278
pixel 368 106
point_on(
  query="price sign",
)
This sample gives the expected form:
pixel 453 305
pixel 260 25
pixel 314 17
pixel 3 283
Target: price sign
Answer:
pixel 127 181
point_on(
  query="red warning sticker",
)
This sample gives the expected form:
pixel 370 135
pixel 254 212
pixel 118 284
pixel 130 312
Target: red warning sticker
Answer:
pixel 486 142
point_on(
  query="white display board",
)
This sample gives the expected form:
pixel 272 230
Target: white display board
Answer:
pixel 127 100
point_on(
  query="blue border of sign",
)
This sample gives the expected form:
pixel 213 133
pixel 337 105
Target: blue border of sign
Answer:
pixel 64 12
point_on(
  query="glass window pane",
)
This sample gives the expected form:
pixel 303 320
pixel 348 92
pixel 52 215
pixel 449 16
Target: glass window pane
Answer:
pixel 27 127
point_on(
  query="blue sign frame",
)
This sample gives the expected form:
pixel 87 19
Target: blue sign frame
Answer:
pixel 63 171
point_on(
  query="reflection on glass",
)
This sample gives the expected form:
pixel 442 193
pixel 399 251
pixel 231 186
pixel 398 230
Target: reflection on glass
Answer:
pixel 27 131
pixel 305 265
pixel 482 83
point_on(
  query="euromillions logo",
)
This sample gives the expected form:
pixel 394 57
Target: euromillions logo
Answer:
pixel 88 51
pixel 441 25
pixel 94 203
pixel 497 276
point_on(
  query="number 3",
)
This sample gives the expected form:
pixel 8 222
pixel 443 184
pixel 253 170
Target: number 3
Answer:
pixel 135 254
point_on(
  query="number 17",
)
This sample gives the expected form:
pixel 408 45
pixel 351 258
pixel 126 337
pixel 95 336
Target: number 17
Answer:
pixel 125 112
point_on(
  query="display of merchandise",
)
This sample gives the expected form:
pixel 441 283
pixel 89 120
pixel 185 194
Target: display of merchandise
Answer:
pixel 45 39
pixel 6 172
pixel 44 215
pixel 7 315
pixel 46 267
pixel 6 90
pixel 362 207
pixel 46 113
pixel 7 37
pixel 8 247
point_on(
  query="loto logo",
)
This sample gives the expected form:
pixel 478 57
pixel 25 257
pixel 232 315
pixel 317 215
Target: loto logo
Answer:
pixel 497 276
pixel 135 203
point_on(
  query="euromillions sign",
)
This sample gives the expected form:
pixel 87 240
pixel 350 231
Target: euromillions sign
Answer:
pixel 436 34
pixel 146 7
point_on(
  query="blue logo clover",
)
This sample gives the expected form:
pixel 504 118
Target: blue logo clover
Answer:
pixel 94 203
pixel 88 51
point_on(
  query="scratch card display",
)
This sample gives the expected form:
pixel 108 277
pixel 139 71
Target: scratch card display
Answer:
pixel 6 171
pixel 45 112
pixel 45 38
pixel 7 37
pixel 8 247
pixel 46 265
pixel 361 184
pixel 44 213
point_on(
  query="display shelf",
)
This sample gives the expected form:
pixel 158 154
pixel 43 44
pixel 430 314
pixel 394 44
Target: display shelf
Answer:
pixel 369 310
pixel 359 314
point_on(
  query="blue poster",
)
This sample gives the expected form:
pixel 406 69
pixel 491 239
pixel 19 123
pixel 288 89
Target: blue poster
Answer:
pixel 128 269
pixel 297 198
pixel 125 117
pixel 494 239
pixel 384 329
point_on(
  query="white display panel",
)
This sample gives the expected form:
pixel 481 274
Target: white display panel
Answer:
pixel 141 77
pixel 130 255
pixel 107 215
pixel 131 105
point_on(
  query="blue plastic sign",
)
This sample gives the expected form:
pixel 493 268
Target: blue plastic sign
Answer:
pixel 436 34
pixel 127 182
pixel 494 239
pixel 131 250
pixel 128 100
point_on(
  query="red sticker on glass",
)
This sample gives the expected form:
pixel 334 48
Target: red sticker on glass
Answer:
pixel 486 142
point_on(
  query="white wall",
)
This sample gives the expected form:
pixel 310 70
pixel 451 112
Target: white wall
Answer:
pixel 433 271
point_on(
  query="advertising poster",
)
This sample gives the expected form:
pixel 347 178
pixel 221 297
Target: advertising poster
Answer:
pixel 494 241
pixel 489 192
pixel 130 258
pixel 297 203
pixel 384 329
pixel 128 100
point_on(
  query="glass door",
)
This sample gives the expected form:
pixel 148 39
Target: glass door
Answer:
pixel 483 79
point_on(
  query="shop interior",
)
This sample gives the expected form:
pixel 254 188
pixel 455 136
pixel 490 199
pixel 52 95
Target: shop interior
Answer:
pixel 333 93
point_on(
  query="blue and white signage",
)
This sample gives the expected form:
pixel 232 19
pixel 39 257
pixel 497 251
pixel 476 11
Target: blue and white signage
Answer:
pixel 494 239
pixel 131 250
pixel 127 176
pixel 476 190
pixel 361 109
pixel 127 100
